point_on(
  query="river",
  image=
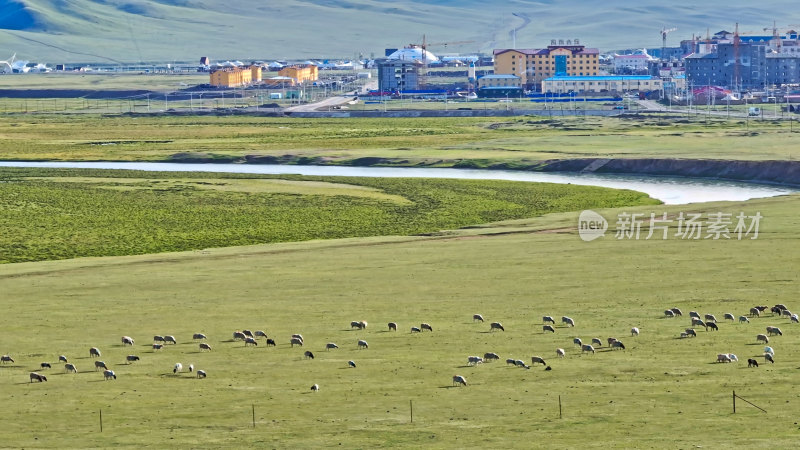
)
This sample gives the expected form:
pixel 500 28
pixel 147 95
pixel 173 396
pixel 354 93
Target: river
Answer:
pixel 670 190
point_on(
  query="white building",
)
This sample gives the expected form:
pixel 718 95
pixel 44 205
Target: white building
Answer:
pixel 636 62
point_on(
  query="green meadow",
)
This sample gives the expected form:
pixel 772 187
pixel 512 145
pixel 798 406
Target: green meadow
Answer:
pixel 58 214
pixel 413 141
pixel 660 392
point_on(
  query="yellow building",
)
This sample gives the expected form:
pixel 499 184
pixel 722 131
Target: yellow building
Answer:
pixel 301 73
pixel 558 59
pixel 236 76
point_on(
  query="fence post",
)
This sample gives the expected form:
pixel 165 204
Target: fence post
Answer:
pixel 254 415
pixel 101 420
pixel 559 407
pixel 411 409
pixel 734 402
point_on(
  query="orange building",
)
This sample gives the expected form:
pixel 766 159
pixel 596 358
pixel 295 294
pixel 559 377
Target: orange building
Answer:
pixel 236 76
pixel 301 73
pixel 558 59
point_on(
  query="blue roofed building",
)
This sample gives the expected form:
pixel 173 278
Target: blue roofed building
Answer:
pixel 602 84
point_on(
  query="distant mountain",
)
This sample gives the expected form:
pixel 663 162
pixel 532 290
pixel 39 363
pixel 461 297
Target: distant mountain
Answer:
pixel 128 31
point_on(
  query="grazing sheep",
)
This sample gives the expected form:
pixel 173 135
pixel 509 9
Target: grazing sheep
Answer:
pixel 618 344
pixel 191 368
pixel 260 333
pixel 521 363
pixel 752 362
pixel 131 358
pixel 537 359
pixel 560 352
pixel 668 313
pixel 355 324
pixel 94 351
pixel 587 348
pixel 351 364
pixel 775 310
pixel 239 336
pixel 298 336
pixel 362 344
pixel 787 313
pixel 546 328
pixel 170 340
pixel 694 314
pixel 744 319
pixel 691 332
pixel 392 326
pixel 127 340
pixel 474 360
pixel 362 324
pixel 247 333
pixel 308 355
pixel 70 368
pixel 676 311
pixel 512 362
pixel 568 321
pixel 577 341
pixel 99 365
pixel 597 341
pixel 201 374
pixel 491 356
pixel 37 377
pixel 158 339
pixel 712 325
pixel 769 357
pixel 723 358
pixel 477 317
pixel 415 330
pixel 611 341
pixel 781 306
pixel 733 357
pixel 250 341
pixel 204 346
pixel 548 319
pixel 158 346
pixel 754 312
pixel 634 331
pixel 271 342
pixel 794 318
pixel 774 330
pixel 199 336
pixel 315 387
pixel 684 334
pixel 459 380
pixel 109 374
pixel 728 316
pixel 45 365
pixel 762 338
pixel 425 326
pixel 769 350
pixel 496 326
pixel 710 318
pixel 330 345
pixel 296 341
pixel 62 358
pixel 698 322
pixel 762 308
pixel 178 368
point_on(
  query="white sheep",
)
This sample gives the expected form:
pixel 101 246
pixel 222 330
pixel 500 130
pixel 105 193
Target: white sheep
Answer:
pixel 127 340
pixel 496 326
pixel 94 351
pixel 62 358
pixel 199 336
pixel 330 345
pixel 459 380
pixel 733 357
pixel 537 360
pixel 597 341
pixel 744 319
pixel 634 331
pixel 170 340
pixel 425 326
pixel 68 367
pixel 201 374
pixel 6 358
pixel 474 360
pixel 99 365
pixel 762 338
pixel 560 352
pixel 723 358
pixel 315 387
pixel 476 317
pixel 548 319
pixel 362 344
pixel 587 348
pixel 178 368
pixel 729 316
pixel 109 374
pixel 568 321
pixel 191 368
pixel 351 363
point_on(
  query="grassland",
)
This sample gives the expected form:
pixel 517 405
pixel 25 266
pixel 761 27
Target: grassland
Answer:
pixel 420 141
pixel 661 392
pixel 57 214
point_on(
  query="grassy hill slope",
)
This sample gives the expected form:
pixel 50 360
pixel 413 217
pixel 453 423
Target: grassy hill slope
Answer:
pixel 137 30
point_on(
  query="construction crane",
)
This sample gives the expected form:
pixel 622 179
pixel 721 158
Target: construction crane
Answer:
pixel 664 32
pixel 736 81
pixel 422 76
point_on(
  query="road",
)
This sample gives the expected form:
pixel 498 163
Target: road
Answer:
pixel 330 102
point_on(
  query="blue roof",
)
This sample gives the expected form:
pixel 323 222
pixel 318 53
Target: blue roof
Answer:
pixel 603 78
